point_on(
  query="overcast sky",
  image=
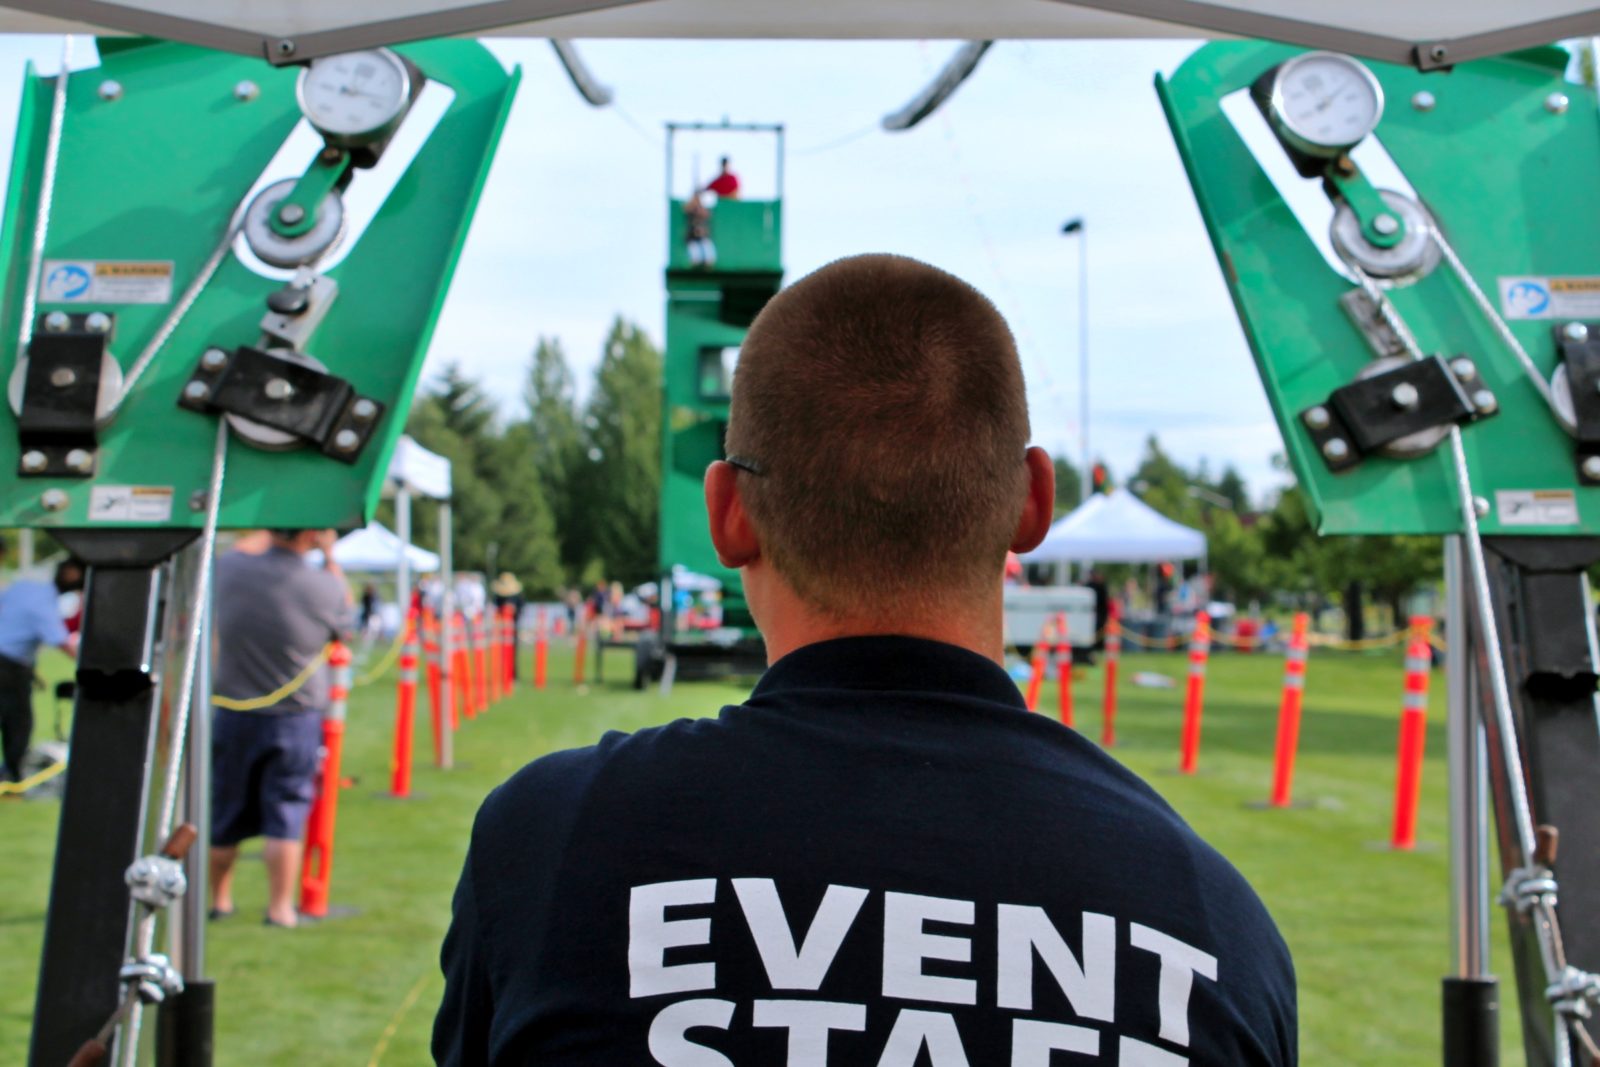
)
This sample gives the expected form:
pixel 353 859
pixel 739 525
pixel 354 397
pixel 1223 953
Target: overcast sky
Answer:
pixel 571 229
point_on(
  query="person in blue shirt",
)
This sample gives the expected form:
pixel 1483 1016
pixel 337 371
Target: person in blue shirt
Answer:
pixel 29 618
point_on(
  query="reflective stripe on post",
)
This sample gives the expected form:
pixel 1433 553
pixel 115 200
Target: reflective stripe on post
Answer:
pixel 1108 707
pixel 316 867
pixel 1413 735
pixel 1294 683
pixel 1194 699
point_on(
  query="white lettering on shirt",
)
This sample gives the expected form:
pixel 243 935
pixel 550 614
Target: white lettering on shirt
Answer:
pixel 906 944
pixel 1032 1041
pixel 670 1046
pixel 789 967
pixel 1135 1053
pixel 914 1029
pixel 809 1022
pixel 1179 964
pixel 650 934
pixel 1090 987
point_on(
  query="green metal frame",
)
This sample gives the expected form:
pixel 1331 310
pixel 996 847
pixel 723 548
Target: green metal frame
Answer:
pixel 1533 212
pixel 154 175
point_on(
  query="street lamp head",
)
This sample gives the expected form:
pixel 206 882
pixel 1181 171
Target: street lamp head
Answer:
pixel 1072 226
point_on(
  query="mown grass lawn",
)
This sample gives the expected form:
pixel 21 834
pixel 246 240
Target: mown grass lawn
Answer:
pixel 1367 926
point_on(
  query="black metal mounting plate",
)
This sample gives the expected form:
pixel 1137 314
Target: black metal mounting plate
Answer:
pixel 319 408
pixel 1359 419
pixel 61 395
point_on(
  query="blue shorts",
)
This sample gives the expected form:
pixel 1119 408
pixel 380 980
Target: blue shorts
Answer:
pixel 263 773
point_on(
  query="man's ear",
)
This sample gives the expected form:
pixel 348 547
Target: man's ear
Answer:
pixel 1038 511
pixel 732 534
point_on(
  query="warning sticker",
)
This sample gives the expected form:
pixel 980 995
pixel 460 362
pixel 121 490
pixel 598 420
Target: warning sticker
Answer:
pixel 130 503
pixel 1536 507
pixel 1568 297
pixel 106 281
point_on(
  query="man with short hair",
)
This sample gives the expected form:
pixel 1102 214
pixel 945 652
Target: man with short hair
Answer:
pixel 30 618
pixel 274 615
pixel 880 858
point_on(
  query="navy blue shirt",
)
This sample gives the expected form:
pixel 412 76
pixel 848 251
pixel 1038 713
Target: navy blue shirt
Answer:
pixel 881 858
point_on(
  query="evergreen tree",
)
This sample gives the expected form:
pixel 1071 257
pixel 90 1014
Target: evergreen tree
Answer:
pixel 617 498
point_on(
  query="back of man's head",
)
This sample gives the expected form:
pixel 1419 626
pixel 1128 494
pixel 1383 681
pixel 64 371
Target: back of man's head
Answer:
pixel 883 402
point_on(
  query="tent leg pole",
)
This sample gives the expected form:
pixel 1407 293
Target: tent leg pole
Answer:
pixel 447 610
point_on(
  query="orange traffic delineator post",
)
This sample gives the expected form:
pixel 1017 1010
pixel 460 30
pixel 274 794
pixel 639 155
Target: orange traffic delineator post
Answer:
pixel 465 690
pixel 492 650
pixel 1294 685
pixel 435 671
pixel 1064 668
pixel 541 650
pixel 405 713
pixel 480 663
pixel 582 652
pixel 1194 699
pixel 316 866
pixel 1108 708
pixel 1041 656
pixel 1413 735
pixel 508 661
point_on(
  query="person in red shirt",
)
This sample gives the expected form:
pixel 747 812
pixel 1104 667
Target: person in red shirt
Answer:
pixel 726 183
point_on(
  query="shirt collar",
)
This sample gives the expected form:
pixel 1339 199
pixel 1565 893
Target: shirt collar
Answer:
pixel 906 664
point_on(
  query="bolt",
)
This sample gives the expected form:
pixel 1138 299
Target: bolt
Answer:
pixel 1438 52
pixel 363 410
pixel 1336 449
pixel 278 389
pixel 1591 468
pixel 57 321
pixel 197 500
pixel 1317 418
pixel 1484 401
pixel 214 359
pixel 291 213
pixel 80 460
pixel 1423 101
pixel 62 377
pixel 346 440
pixel 246 91
pixel 98 322
pixel 1480 505
pixel 53 500
pixel 1556 103
pixel 285 47
pixel 1386 225
pixel 196 391
pixel 331 155
pixel 1576 332
pixel 1405 396
pixel 1463 367
pixel 110 90
pixel 34 462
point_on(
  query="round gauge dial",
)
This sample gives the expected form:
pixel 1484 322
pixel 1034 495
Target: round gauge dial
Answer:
pixel 1324 103
pixel 355 97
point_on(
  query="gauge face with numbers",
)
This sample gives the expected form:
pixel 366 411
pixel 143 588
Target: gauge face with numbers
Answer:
pixel 355 97
pixel 1324 103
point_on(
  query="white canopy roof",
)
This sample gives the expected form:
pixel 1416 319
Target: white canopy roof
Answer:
pixel 376 550
pixel 1430 32
pixel 1117 527
pixel 423 472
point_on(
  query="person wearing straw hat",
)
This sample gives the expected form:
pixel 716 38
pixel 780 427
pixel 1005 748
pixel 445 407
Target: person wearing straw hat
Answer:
pixel 879 857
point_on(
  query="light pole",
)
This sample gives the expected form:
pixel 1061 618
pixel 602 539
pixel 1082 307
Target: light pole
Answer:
pixel 1079 227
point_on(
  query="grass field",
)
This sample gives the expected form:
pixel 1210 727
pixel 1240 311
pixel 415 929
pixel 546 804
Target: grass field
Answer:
pixel 1367 926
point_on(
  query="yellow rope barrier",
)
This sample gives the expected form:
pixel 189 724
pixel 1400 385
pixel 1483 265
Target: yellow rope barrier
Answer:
pixel 34 779
pixel 399 1016
pixel 388 659
pixel 282 693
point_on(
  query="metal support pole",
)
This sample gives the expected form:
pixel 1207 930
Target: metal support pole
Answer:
pixel 1471 1019
pixel 447 611
pixel 402 574
pixel 1083 362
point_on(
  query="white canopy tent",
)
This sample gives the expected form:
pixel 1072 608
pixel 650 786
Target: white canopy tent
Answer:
pixel 1117 527
pixel 1429 33
pixel 375 549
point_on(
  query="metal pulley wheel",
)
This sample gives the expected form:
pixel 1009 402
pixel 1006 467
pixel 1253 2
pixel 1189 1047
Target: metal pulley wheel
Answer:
pixel 1412 259
pixel 1412 444
pixel 106 398
pixel 266 437
pixel 279 251
pixel 1561 400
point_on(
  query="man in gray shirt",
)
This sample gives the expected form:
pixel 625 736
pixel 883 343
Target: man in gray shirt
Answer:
pixel 274 615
